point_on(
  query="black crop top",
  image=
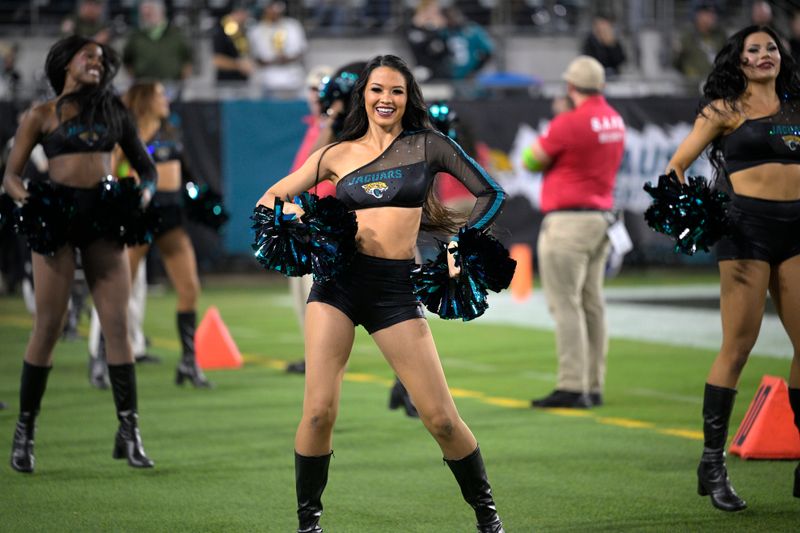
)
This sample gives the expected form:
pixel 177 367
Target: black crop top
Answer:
pixel 72 137
pixel 403 175
pixel 164 146
pixel 772 139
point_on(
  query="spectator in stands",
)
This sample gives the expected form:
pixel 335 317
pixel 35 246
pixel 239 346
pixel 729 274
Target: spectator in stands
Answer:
pixel 231 47
pixel 603 45
pixel 580 154
pixel 331 14
pixel 469 45
pixel 427 37
pixel 157 50
pixel 699 44
pixel 88 21
pixel 279 43
pixel 794 35
pixel 761 13
pixel 10 77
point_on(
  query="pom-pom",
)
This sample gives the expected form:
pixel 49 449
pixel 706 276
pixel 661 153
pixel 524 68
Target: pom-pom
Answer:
pixel 692 213
pixel 204 206
pixel 444 119
pixel 332 234
pixel 281 242
pixel 44 218
pixel 485 265
pixel 121 216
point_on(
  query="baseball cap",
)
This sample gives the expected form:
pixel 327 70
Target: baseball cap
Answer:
pixel 585 72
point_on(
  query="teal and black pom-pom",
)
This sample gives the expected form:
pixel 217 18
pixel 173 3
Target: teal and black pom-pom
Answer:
pixel 121 216
pixel 204 206
pixel 322 242
pixel 44 219
pixel 692 213
pixel 485 265
pixel 332 234
pixel 280 242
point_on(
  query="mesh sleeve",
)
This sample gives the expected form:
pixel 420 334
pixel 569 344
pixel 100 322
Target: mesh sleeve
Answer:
pixel 444 155
pixel 137 154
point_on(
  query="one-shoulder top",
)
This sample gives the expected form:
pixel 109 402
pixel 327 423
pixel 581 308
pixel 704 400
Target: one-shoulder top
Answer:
pixel 71 136
pixel 403 174
pixel 771 139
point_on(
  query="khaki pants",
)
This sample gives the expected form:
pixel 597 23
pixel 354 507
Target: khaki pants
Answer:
pixel 572 251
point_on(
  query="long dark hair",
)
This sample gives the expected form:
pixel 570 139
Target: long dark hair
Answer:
pixel 727 82
pixel 435 216
pixel 95 103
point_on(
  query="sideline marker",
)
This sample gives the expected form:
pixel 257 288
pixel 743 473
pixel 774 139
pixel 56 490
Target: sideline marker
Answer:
pixel 767 430
pixel 522 282
pixel 214 345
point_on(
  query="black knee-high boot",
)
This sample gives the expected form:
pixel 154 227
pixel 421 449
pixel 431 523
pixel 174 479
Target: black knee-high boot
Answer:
pixel 187 368
pixel 128 441
pixel 471 476
pixel 712 475
pixel 794 400
pixel 32 385
pixel 311 476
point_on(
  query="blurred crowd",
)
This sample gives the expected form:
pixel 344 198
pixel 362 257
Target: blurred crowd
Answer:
pixel 264 43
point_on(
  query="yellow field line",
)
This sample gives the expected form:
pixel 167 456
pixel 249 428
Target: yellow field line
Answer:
pixel 18 321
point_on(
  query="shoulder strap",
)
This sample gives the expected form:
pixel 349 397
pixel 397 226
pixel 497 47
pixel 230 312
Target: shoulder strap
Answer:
pixel 319 163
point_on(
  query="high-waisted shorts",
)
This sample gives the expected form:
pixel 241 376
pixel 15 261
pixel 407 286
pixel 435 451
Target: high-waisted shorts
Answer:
pixel 766 230
pixel 165 212
pixel 372 291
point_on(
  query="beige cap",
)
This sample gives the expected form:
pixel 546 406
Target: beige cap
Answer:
pixel 585 72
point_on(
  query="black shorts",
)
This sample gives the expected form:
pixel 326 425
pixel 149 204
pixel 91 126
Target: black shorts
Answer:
pixel 165 212
pixel 83 226
pixel 373 291
pixel 766 230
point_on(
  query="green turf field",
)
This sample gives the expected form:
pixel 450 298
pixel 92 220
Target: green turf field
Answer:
pixel 224 457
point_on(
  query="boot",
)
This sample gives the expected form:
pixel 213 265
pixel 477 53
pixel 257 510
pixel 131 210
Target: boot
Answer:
pixel 187 368
pixel 712 475
pixel 399 397
pixel 128 442
pixel 471 477
pixel 32 386
pixel 794 401
pixel 311 475
pixel 98 367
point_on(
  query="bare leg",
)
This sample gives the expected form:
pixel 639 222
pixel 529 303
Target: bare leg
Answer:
pixel 327 349
pixel 409 349
pixel 52 278
pixel 743 292
pixel 784 287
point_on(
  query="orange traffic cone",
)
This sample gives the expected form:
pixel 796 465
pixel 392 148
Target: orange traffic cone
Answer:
pixel 214 346
pixel 768 430
pixel 522 282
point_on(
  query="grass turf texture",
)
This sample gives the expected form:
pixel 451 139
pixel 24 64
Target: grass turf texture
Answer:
pixel 224 456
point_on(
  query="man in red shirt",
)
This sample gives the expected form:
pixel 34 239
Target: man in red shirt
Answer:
pixel 579 154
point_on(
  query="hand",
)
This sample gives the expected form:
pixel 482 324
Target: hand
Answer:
pixel 452 252
pixel 291 208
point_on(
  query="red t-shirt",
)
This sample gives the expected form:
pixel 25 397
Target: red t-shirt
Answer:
pixel 586 145
pixel 323 188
